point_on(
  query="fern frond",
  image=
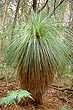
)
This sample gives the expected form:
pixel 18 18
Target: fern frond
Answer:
pixel 64 108
pixel 18 94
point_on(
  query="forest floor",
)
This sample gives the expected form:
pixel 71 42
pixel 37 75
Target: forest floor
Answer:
pixel 58 97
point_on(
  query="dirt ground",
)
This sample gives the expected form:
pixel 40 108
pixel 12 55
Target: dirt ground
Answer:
pixel 54 99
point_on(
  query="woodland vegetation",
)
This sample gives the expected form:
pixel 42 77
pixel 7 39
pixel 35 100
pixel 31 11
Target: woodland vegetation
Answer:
pixel 36 60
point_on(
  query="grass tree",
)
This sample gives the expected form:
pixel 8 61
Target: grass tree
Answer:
pixel 38 49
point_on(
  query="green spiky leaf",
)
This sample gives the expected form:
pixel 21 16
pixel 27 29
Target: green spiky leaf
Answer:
pixel 42 43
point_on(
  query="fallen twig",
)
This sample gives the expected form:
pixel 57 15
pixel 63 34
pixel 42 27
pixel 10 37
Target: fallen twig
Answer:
pixel 60 88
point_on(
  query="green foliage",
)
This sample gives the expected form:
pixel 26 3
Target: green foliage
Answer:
pixel 64 108
pixel 18 94
pixel 6 72
pixel 41 43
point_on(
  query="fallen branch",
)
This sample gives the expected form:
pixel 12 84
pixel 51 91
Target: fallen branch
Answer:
pixel 60 88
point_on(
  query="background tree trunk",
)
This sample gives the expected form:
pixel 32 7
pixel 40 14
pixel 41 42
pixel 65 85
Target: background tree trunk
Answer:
pixel 15 18
pixel 4 15
pixel 56 7
pixel 64 16
pixel 43 6
pixel 1 13
pixel 35 5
